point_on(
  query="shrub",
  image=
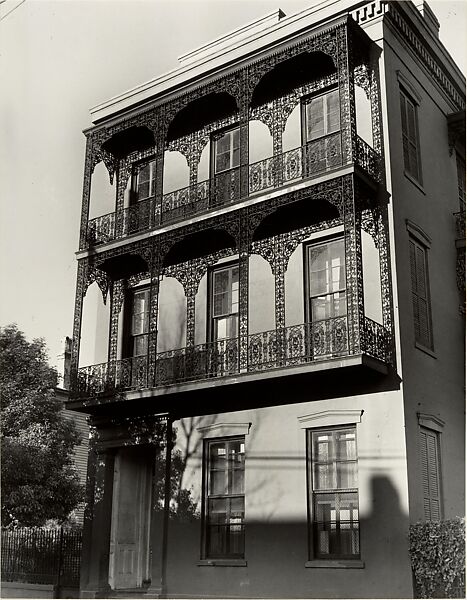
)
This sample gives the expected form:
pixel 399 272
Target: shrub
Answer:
pixel 437 553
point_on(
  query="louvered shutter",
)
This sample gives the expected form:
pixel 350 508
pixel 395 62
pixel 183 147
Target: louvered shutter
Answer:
pixel 430 475
pixel 421 308
pixel 410 136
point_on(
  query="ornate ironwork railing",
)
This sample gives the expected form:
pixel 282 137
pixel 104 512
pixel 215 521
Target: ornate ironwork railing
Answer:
pixel 376 341
pixel 314 158
pixel 368 159
pixel 290 346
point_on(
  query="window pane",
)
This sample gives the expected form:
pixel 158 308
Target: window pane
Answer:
pixel 346 447
pixel 347 475
pixel 140 345
pixel 333 116
pixel 221 304
pixel 217 485
pixel 221 281
pixel 217 456
pixel 315 118
pixel 324 477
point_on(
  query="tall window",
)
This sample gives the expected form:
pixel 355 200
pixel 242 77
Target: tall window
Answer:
pixel 420 294
pixel 429 456
pixel 333 493
pixel 322 116
pixel 139 325
pixel 227 151
pixel 224 303
pixel 410 141
pixel 224 499
pixel 144 180
pixel 326 280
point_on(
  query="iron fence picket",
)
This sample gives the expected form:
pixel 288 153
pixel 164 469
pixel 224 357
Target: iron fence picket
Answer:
pixel 42 556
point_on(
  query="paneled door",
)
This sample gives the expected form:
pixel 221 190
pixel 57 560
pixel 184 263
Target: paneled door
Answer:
pixel 129 544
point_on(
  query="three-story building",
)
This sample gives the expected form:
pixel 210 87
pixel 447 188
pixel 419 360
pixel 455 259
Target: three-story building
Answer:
pixel 268 311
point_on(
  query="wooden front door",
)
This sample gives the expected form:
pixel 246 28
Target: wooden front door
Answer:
pixel 130 519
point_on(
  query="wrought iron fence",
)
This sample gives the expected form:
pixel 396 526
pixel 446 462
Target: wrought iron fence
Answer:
pixel 314 158
pixel 289 346
pixel 44 556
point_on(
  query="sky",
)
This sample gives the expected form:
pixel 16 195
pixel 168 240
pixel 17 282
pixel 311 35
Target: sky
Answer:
pixel 57 60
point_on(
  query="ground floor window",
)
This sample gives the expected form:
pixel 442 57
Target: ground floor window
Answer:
pixel 333 493
pixel 224 498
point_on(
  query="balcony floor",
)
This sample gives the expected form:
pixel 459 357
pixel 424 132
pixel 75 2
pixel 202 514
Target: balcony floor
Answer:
pixel 357 374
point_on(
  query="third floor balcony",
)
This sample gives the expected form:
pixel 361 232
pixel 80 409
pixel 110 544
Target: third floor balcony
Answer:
pixel 307 112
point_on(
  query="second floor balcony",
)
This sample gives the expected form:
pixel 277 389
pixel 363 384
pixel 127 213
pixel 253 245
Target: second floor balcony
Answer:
pixel 321 342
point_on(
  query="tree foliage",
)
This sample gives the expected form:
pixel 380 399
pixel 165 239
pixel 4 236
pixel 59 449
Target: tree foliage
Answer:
pixel 437 552
pixel 39 481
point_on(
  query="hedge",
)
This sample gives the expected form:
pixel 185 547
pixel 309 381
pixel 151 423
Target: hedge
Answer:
pixel 437 553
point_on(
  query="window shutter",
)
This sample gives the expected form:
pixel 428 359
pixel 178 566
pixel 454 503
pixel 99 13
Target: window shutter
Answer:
pixel 430 475
pixel 421 308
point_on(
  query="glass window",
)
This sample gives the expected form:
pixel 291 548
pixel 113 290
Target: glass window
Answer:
pixel 322 115
pixel 410 142
pixel 420 294
pixel 224 498
pixel 224 303
pixel 139 323
pixel 227 151
pixel 144 180
pixel 326 277
pixel 333 493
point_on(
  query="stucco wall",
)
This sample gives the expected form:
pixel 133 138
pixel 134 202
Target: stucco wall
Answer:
pixel 433 383
pixel 276 507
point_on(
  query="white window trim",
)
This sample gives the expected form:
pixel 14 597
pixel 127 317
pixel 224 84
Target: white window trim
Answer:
pixel 219 430
pixel 408 88
pixel 430 422
pixel 418 233
pixel 329 418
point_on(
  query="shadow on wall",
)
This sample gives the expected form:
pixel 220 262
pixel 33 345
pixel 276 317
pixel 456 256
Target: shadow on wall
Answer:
pixel 276 552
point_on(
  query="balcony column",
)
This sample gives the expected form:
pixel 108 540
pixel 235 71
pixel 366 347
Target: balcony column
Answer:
pixel 244 118
pixel 386 278
pixel 117 293
pixel 123 173
pixel 346 94
pixel 353 265
pixel 97 524
pixel 156 213
pixel 376 110
pixel 243 241
pixel 153 316
pixel 81 286
pixel 89 164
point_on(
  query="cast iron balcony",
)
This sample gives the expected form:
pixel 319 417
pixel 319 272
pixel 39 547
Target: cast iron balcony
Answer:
pixel 269 350
pixel 306 162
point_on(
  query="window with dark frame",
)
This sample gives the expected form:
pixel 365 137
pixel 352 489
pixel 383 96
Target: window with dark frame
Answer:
pixel 322 115
pixel 326 296
pixel 333 493
pixel 139 323
pixel 410 136
pixel 144 180
pixel 430 474
pixel 224 498
pixel 420 294
pixel 226 150
pixel 223 305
